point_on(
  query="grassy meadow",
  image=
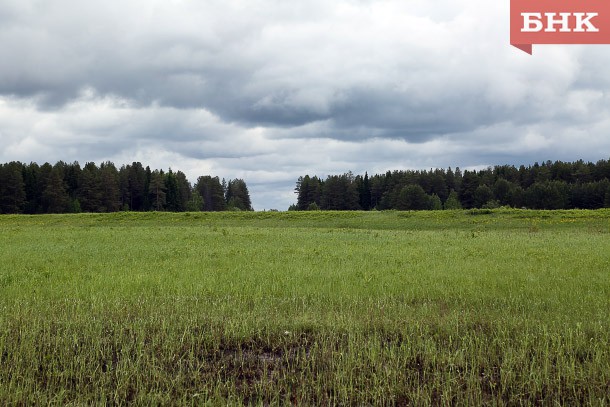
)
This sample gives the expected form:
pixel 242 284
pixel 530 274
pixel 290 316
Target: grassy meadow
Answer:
pixel 308 308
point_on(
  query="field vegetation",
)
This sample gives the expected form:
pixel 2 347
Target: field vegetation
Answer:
pixel 477 307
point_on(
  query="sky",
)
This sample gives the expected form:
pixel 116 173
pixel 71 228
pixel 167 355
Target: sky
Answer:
pixel 269 90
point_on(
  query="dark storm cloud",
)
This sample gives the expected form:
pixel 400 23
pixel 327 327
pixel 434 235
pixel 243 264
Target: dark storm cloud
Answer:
pixel 273 70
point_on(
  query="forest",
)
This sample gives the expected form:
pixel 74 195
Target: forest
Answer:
pixel 68 188
pixel 550 185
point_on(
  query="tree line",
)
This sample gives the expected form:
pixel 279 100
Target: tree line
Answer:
pixel 70 188
pixel 550 185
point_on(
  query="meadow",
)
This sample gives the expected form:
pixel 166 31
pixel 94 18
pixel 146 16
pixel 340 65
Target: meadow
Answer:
pixel 483 307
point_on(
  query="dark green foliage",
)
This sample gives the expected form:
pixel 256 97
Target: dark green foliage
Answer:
pixel 237 195
pixel 590 195
pixel 178 191
pixel 364 191
pixel 412 197
pixel 548 195
pixel 157 191
pixel 31 174
pixel 183 193
pixel 438 186
pixel 470 183
pixel 517 197
pixel 482 195
pixel 68 188
pixel 309 191
pixel 501 191
pixel 89 189
pixel 135 187
pixel 340 192
pixel 549 185
pixel 212 192
pixel 55 198
pixel 12 188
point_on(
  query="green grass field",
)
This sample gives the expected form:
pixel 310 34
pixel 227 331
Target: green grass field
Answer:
pixel 309 308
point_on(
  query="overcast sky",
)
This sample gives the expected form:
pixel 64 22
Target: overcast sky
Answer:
pixel 267 90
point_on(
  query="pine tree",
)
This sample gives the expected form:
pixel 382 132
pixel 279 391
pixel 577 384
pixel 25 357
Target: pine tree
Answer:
pixel 237 195
pixel 183 191
pixel 33 192
pixel 12 188
pixel 470 183
pixel 364 192
pixel 89 194
pixel 157 191
pixel 308 190
pixel 110 187
pixel 136 187
pixel 171 194
pixel 55 197
pixel 212 192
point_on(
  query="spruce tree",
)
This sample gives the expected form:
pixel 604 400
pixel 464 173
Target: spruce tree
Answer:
pixel 55 197
pixel 12 188
pixel 157 191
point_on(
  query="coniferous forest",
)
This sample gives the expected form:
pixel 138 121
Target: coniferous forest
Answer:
pixel 70 188
pixel 550 185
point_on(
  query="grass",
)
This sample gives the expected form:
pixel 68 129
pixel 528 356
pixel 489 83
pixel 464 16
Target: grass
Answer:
pixel 315 308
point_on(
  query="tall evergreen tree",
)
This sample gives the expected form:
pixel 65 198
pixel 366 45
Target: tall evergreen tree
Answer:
pixel 12 188
pixel 89 193
pixel 171 195
pixel 308 190
pixel 364 192
pixel 183 191
pixel 237 195
pixel 109 187
pixel 340 192
pixel 157 191
pixel 212 192
pixel 470 183
pixel 136 191
pixel 33 192
pixel 55 196
pixel 439 186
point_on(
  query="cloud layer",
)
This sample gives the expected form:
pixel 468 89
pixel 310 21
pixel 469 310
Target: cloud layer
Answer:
pixel 268 90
